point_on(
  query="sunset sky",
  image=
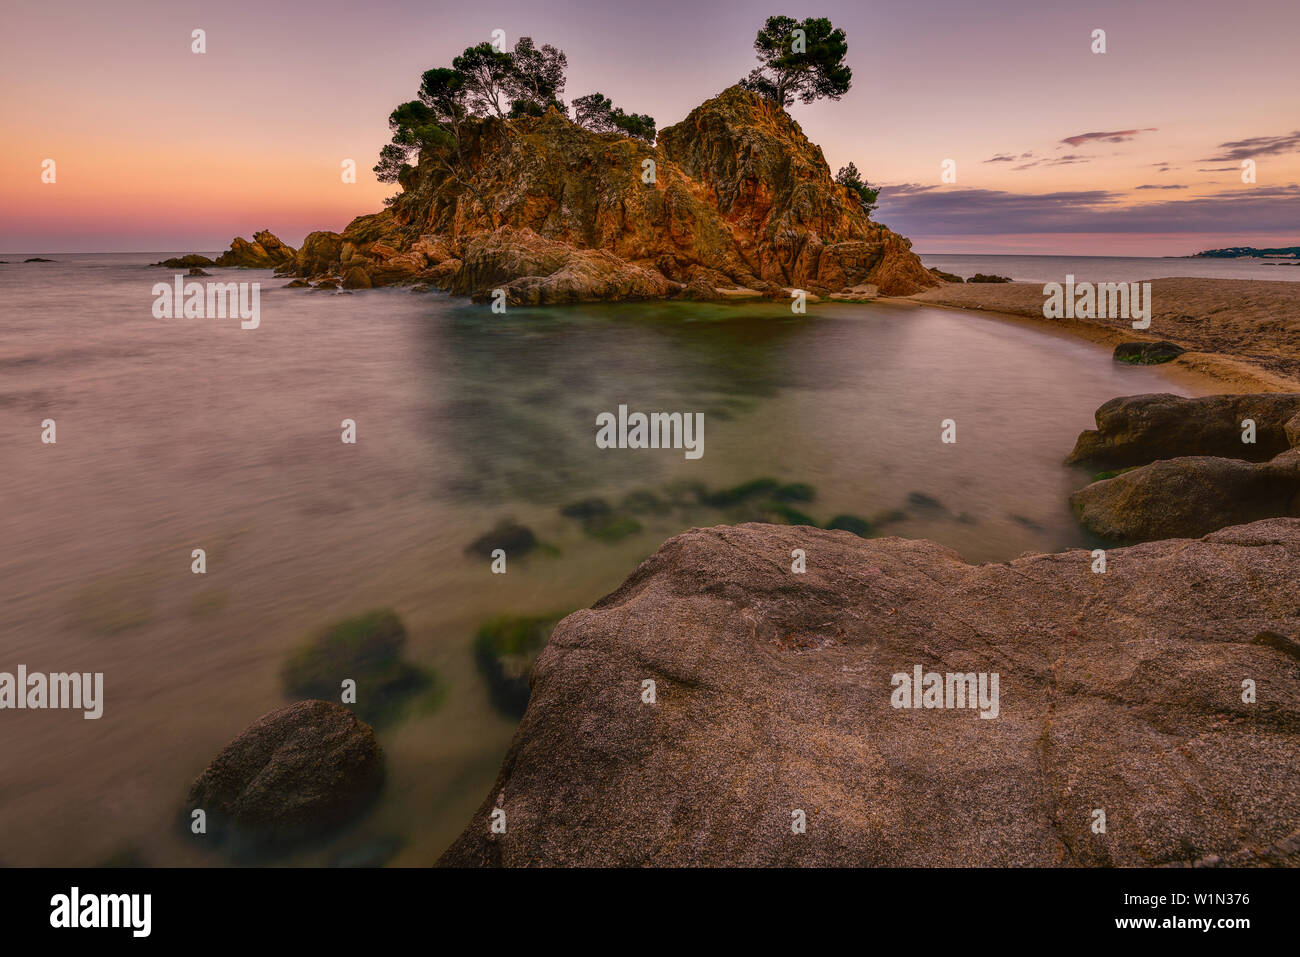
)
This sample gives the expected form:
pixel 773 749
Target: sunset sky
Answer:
pixel 1058 150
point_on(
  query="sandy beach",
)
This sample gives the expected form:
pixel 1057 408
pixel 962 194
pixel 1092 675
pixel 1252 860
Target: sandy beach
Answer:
pixel 1244 333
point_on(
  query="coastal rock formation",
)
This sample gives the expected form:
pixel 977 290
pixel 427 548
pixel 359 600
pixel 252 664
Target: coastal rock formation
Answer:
pixel 1189 497
pixel 1187 470
pixel 292 774
pixel 192 261
pixel 1119 691
pixel 1137 429
pixel 552 212
pixel 264 252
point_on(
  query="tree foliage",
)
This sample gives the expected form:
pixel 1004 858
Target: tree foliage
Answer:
pixel 481 82
pixel 867 194
pixel 596 112
pixel 800 59
pixel 537 78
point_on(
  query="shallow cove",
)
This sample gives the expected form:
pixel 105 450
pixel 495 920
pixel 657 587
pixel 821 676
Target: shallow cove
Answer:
pixel 180 434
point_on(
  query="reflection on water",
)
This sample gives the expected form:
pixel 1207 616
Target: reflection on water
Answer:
pixel 175 435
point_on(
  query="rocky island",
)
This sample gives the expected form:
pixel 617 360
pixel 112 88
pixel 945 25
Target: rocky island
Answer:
pixel 733 200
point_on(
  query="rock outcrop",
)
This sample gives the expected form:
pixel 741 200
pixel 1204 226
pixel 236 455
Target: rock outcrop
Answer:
pixel 193 260
pixel 1137 429
pixel 293 774
pixel 552 212
pixel 264 252
pixel 1120 691
pixel 1189 497
pixel 1187 470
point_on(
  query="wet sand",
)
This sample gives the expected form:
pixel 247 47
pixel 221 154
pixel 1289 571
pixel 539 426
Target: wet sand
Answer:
pixel 1242 333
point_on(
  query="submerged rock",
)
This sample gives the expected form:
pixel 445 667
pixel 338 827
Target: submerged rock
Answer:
pixel 185 262
pixel 504 649
pixel 516 539
pixel 851 523
pixel 1147 353
pixel 774 695
pixel 293 774
pixel 366 649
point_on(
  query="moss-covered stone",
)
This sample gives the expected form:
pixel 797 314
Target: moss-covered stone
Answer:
pixel 366 649
pixel 587 508
pixel 509 535
pixel 645 502
pixel 611 528
pixel 505 648
pixel 851 523
pixel 785 515
pixel 737 494
pixel 794 492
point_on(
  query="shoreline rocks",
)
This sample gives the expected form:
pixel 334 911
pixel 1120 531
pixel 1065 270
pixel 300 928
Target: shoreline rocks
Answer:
pixel 1188 497
pixel 1180 467
pixel 264 252
pixel 366 649
pixel 1139 429
pixel 1147 353
pixel 294 774
pixel 1120 691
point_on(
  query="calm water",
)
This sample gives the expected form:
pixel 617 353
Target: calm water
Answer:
pixel 181 434
pixel 1112 268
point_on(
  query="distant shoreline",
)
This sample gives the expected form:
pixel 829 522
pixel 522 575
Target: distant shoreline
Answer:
pixel 1242 333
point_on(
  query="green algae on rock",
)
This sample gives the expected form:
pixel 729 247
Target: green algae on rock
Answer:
pixel 365 649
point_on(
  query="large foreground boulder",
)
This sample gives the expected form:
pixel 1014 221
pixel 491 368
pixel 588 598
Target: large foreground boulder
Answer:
pixel 1137 429
pixel 1120 693
pixel 295 773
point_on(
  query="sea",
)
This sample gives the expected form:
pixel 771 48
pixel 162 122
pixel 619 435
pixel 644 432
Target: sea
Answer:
pixel 172 435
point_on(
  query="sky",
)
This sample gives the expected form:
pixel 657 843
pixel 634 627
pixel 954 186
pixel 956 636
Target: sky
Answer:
pixel 1056 149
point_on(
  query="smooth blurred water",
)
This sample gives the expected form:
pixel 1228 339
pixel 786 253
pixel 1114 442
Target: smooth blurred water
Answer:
pixel 183 434
pixel 1112 268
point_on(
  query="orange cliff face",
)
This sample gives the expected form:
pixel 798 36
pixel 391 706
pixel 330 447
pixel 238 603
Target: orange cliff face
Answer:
pixel 734 196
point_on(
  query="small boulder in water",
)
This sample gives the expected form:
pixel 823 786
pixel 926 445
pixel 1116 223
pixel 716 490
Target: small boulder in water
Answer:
pixel 516 539
pixel 185 262
pixel 293 774
pixel 1147 353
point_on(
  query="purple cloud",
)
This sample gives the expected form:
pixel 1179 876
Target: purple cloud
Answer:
pixel 1256 146
pixel 1115 136
pixel 921 211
